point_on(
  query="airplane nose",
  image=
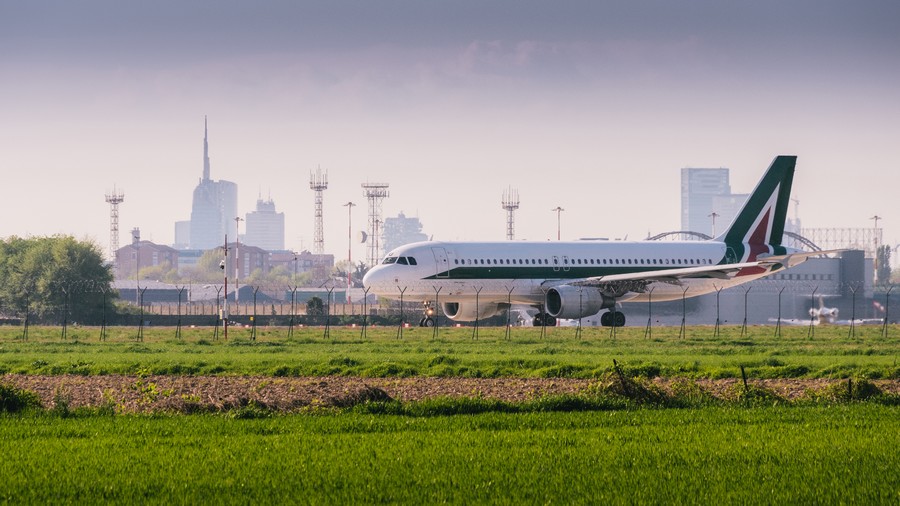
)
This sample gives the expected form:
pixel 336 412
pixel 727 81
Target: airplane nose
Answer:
pixel 373 277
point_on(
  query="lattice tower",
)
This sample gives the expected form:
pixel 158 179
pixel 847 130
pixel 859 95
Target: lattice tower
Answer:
pixel 114 199
pixel 510 204
pixel 375 193
pixel 865 239
pixel 318 182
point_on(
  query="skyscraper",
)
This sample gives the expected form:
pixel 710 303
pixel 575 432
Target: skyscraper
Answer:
pixel 265 227
pixel 214 207
pixel 699 189
pixel 402 230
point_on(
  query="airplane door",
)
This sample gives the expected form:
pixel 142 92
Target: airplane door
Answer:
pixel 555 263
pixel 565 263
pixel 442 265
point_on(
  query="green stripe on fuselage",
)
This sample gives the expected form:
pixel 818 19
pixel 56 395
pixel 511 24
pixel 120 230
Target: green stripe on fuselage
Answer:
pixel 544 272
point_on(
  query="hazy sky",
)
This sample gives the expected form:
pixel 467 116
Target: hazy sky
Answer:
pixel 589 105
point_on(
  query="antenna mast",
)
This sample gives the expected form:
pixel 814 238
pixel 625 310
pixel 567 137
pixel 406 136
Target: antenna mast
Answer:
pixel 114 199
pixel 375 193
pixel 318 183
pixel 510 203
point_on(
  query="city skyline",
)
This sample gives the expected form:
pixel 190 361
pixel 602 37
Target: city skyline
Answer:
pixel 594 107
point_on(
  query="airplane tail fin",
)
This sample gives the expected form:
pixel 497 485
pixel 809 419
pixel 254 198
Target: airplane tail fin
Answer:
pixel 761 220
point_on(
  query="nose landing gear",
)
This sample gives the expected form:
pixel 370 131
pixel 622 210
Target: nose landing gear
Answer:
pixel 428 316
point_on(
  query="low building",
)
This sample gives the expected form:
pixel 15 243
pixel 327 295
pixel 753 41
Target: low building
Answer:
pixel 140 254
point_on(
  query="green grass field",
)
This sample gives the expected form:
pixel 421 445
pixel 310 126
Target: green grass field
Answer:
pixel 608 450
pixel 784 455
pixel 831 353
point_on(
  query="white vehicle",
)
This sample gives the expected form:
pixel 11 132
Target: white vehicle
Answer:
pixel 475 280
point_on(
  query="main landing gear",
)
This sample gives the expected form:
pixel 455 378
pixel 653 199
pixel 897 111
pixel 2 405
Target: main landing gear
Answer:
pixel 428 316
pixel 544 320
pixel 612 319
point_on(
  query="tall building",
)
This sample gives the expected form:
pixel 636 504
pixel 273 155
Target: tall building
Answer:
pixel 402 230
pixel 182 234
pixel 265 227
pixel 700 189
pixel 214 207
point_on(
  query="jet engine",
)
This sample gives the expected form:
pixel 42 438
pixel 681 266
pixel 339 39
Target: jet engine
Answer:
pixel 468 311
pixel 569 302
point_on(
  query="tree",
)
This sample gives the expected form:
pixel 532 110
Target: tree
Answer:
pixel 357 271
pixel 45 276
pixel 315 307
pixel 163 272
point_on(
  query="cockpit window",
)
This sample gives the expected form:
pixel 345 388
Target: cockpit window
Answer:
pixel 400 260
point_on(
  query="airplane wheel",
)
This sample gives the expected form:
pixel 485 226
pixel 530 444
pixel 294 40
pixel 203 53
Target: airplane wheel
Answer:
pixel 427 322
pixel 606 319
pixel 544 320
pixel 619 319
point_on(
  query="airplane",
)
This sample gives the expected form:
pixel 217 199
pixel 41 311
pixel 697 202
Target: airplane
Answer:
pixel 573 279
pixel 823 315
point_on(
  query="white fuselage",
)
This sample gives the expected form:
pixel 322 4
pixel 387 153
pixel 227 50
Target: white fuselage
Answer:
pixel 521 272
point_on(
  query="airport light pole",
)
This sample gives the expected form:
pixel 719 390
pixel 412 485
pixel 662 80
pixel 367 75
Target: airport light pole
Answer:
pixel 876 218
pixel 558 211
pixel 349 206
pixel 714 215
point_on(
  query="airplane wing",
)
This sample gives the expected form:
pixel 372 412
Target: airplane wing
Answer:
pixel 723 271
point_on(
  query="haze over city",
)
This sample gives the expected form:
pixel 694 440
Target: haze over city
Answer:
pixel 591 106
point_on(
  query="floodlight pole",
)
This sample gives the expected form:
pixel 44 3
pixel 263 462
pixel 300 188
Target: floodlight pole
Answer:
pixel 349 206
pixel 558 220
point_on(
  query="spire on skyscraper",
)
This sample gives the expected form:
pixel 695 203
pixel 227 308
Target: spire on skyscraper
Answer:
pixel 205 152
